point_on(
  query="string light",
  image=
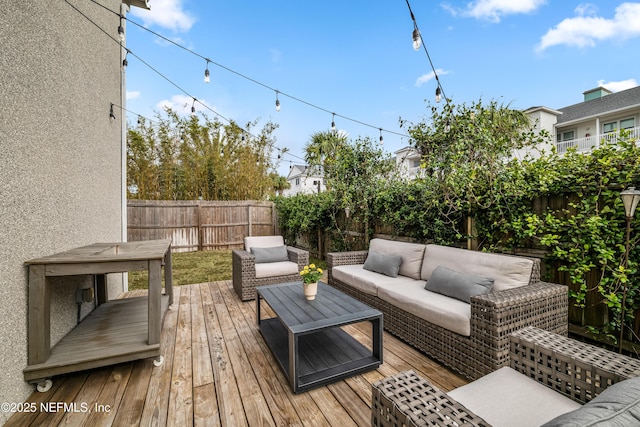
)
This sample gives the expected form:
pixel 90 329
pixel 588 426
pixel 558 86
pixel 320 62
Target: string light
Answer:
pixel 207 77
pixel 277 102
pixel 417 42
pixel 121 29
pixel 381 138
pixel 193 107
pixel 112 116
pixel 124 61
pixel 333 122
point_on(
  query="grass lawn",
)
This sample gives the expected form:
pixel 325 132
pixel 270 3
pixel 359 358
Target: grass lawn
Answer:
pixel 195 267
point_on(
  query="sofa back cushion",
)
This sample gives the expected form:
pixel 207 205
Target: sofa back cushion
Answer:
pixel 506 271
pixel 412 255
pixel 262 242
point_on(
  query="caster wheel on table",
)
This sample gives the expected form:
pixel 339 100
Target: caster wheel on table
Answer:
pixel 44 386
pixel 159 361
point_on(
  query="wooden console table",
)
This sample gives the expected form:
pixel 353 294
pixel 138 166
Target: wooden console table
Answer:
pixel 116 331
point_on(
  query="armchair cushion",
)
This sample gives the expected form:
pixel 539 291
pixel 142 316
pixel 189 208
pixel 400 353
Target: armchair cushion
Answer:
pixel 618 405
pixel 457 285
pixel 389 265
pixel 273 269
pixel 271 254
pixel 262 242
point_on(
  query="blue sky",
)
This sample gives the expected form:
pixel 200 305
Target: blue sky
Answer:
pixel 355 58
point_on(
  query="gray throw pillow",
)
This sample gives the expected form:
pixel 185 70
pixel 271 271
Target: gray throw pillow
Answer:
pixel 274 254
pixel 618 405
pixel 389 265
pixel 457 285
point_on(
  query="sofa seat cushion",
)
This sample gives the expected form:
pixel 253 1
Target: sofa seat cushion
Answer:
pixel 441 310
pixel 508 398
pixel 412 255
pixel 506 271
pixel 365 280
pixel 618 405
pixel 272 269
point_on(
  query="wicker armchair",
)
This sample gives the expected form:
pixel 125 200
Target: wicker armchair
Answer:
pixel 245 275
pixel 572 369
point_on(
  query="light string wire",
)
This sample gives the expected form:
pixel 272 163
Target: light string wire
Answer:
pixel 424 46
pixel 128 51
pixel 279 92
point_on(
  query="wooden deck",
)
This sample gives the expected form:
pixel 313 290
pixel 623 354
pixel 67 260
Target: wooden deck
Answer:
pixel 217 371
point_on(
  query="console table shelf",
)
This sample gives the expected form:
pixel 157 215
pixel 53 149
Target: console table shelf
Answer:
pixel 116 331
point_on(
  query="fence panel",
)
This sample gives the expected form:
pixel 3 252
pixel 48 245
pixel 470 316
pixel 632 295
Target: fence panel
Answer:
pixel 199 225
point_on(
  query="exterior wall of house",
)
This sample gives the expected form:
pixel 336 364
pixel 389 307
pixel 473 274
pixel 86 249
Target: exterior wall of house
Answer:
pixel 60 158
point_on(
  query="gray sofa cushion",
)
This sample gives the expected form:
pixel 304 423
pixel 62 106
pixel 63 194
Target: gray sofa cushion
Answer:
pixel 412 255
pixel 508 398
pixel 457 285
pixel 274 254
pixel 507 271
pixel 389 265
pixel 618 405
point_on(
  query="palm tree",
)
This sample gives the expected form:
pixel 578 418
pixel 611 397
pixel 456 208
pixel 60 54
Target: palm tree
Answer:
pixel 323 146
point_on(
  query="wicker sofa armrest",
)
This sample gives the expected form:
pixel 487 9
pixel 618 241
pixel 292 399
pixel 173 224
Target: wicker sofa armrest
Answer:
pixel 243 263
pixel 573 368
pixel 406 399
pixel 299 256
pixel 335 259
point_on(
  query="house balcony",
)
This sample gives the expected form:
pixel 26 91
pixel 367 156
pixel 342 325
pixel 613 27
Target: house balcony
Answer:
pixel 590 142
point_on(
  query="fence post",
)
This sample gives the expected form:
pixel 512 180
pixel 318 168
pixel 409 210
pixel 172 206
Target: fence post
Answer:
pixel 250 233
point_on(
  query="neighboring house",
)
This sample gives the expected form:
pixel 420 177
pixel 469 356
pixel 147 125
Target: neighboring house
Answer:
pixel 62 158
pixel 305 179
pixel 408 162
pixel 600 116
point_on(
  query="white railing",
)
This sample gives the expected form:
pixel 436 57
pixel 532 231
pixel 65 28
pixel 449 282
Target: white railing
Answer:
pixel 590 142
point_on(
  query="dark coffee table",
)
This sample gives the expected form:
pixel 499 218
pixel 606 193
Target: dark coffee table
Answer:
pixel 306 339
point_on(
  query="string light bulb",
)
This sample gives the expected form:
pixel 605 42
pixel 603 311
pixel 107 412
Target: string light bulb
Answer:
pixel 381 138
pixel 416 39
pixel 277 102
pixel 207 75
pixel 438 94
pixel 112 115
pixel 333 122
pixel 124 61
pixel 193 107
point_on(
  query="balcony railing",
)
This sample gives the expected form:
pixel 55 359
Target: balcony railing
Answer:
pixel 590 142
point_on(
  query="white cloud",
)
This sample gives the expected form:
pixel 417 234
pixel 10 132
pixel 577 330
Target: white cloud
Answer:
pixel 430 76
pixel 181 104
pixel 586 29
pixel 618 86
pixel 166 14
pixel 494 10
pixel 133 94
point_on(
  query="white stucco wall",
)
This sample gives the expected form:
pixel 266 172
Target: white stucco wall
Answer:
pixel 60 157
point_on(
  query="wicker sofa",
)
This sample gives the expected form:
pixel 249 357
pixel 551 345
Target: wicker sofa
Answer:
pixel 550 381
pixel 480 347
pixel 247 273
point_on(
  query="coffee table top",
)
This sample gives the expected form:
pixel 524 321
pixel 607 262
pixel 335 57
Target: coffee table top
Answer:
pixel 330 308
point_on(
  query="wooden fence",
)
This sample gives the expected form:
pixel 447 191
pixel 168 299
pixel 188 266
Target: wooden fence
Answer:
pixel 199 225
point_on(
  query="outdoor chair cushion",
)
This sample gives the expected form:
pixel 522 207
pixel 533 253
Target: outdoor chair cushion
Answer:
pixel 270 269
pixel 618 405
pixel 507 271
pixel 389 265
pixel 367 281
pixel 273 254
pixel 449 313
pixel 262 242
pixel 457 285
pixel 507 398
pixel 411 253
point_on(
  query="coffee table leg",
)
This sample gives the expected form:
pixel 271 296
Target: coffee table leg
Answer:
pixel 293 361
pixel 377 331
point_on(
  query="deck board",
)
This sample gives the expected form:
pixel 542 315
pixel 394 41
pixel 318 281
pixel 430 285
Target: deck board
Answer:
pixel 218 371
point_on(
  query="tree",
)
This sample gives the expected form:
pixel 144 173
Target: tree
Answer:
pixel 323 146
pixel 466 148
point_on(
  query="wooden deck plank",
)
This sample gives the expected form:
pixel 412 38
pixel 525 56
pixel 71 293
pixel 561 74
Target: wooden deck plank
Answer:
pixel 218 371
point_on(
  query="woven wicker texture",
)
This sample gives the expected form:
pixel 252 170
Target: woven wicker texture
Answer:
pixel 244 272
pixel 494 316
pixel 408 400
pixel 575 369
pixel 578 370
